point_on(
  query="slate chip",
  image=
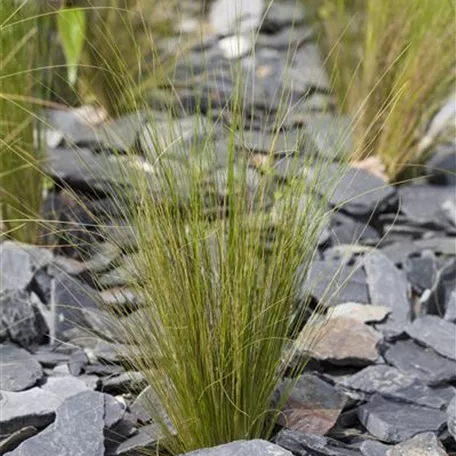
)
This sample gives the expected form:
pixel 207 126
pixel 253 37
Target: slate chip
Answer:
pixel 393 422
pixel 76 431
pixel 436 333
pixel 19 370
pixel 421 362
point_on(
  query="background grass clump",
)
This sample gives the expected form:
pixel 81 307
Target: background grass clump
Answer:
pixel 23 51
pixel 393 64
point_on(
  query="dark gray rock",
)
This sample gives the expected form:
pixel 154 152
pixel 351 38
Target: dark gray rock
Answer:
pixel 114 411
pixel 330 136
pixel 390 382
pixel 347 230
pixel 145 439
pixel 76 431
pixel 394 422
pixel 302 444
pixel 422 270
pixel 285 38
pixel 19 370
pixel 425 444
pixel 124 383
pixel 146 405
pixel 422 203
pixel 312 407
pixel 450 309
pixel 357 191
pixel 451 412
pixel 436 333
pixel 388 287
pixel 50 356
pixel 16 438
pixel 374 448
pixel 242 448
pixel 20 319
pixel 34 407
pixel 332 282
pixel 439 296
pixel 441 168
pixel 77 363
pixel 19 264
pixel 420 362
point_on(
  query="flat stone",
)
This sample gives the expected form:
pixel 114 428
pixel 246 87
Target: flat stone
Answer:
pixel 19 264
pixel 360 312
pixel 19 370
pixel 343 341
pixel 76 431
pixel 34 407
pixel 348 230
pixel 451 413
pixel 145 439
pixel 425 444
pixel 390 382
pixel 374 448
pixel 436 333
pixel 16 438
pixel 450 310
pixel 388 287
pixel 357 191
pixel 255 447
pixel 64 387
pixel 332 282
pixel 421 270
pixel 312 407
pixel 77 363
pixel 394 422
pixel 441 168
pixel 420 362
pixel 277 16
pixel 422 203
pixel 114 410
pixel 20 320
pixel 50 356
pixel 301 444
pixel 146 405
pixel 125 382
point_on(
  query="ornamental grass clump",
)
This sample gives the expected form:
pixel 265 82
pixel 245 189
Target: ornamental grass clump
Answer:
pixel 393 64
pixel 22 86
pixel 220 258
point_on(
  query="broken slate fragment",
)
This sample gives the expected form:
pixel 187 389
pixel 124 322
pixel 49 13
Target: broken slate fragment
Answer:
pixel 425 444
pixel 255 447
pixel 19 370
pixel 20 320
pixel 421 362
pixel 312 407
pixel 388 287
pixel 76 431
pixel 145 439
pixel 19 264
pixel 343 341
pixel 436 333
pixel 450 311
pixel 301 444
pixel 393 422
pixel 451 412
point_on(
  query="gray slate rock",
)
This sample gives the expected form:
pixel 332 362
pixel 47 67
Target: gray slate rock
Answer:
pixel 374 448
pixel 420 362
pixel 450 310
pixel 76 431
pixel 255 447
pixel 441 168
pixel 36 406
pixel 388 287
pixel 114 410
pixel 16 438
pixel 394 422
pixel 332 282
pixel 19 264
pixel 301 444
pixel 356 190
pixel 425 444
pixel 145 439
pixel 390 382
pixel 451 412
pixel 20 320
pixel 436 333
pixel 19 370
